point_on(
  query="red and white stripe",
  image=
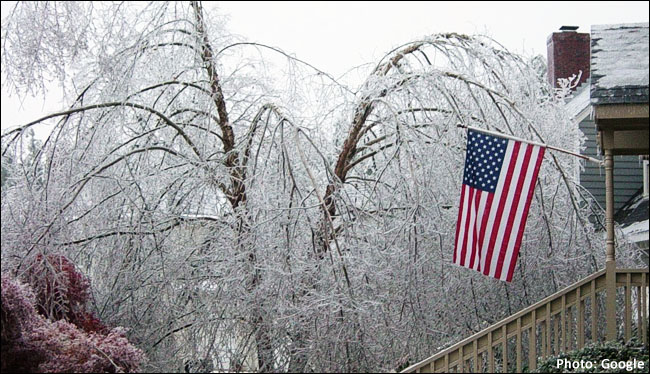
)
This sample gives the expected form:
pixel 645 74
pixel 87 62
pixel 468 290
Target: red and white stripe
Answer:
pixel 490 226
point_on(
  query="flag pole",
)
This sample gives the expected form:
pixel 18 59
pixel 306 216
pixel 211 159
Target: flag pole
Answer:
pixel 502 135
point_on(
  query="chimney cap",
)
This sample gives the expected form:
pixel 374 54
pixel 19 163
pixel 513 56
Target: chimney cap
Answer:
pixel 569 28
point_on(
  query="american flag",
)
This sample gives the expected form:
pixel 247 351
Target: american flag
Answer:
pixel 498 184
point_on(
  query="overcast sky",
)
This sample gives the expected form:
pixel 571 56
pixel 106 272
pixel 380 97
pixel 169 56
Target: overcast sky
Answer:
pixel 337 36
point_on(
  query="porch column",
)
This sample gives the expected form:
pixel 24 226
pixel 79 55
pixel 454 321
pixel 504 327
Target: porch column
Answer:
pixel 610 259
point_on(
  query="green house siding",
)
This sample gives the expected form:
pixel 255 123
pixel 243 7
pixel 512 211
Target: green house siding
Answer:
pixel 628 171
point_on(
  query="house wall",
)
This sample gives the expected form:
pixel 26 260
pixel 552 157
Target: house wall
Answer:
pixel 628 171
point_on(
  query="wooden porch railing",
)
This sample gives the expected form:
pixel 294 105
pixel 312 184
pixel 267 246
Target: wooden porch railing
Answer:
pixel 563 321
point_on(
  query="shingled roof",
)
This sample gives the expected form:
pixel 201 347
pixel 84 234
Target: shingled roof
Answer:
pixel 619 64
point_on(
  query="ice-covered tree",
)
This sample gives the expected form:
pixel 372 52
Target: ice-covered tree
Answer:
pixel 237 208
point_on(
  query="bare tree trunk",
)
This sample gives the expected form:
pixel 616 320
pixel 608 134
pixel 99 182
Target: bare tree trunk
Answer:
pixel 236 194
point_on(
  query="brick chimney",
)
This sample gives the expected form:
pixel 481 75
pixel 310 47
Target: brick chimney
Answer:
pixel 568 53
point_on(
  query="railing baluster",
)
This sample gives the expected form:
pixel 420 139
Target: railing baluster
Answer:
pixel 581 319
pixel 490 354
pixel 542 338
pixel 556 334
pixel 532 342
pixel 628 307
pixel 594 313
pixel 548 331
pixel 644 307
pixel 638 311
pixel 504 348
pixel 476 370
pixel 569 329
pixel 563 323
pixel 518 349
pixel 461 360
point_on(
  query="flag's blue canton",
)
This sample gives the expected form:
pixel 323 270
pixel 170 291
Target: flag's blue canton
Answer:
pixel 483 160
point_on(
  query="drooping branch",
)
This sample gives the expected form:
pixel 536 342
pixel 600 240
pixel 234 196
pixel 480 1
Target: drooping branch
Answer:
pixel 361 114
pixel 18 131
pixel 215 86
pixel 294 58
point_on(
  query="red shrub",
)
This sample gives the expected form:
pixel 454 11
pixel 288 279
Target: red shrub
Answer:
pixel 32 343
pixel 73 350
pixel 62 292
pixel 17 318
